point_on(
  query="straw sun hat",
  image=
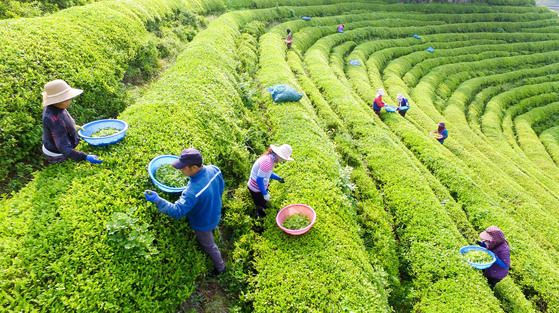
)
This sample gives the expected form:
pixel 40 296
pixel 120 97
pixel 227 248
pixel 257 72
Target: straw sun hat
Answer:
pixel 58 91
pixel 283 152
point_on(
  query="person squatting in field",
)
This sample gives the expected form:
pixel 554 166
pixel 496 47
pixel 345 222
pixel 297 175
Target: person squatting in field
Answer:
pixel 494 240
pixel 378 104
pixel 200 202
pixel 60 137
pixel 261 173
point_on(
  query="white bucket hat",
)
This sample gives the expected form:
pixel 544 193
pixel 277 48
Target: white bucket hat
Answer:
pixel 283 152
pixel 380 92
pixel 400 96
pixel 58 91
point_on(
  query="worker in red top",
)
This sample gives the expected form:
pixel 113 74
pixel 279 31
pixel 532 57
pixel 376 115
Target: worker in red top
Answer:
pixel 378 104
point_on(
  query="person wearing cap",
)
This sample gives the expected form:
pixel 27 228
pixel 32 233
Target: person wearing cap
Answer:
pixel 261 173
pixel 59 129
pixel 441 133
pixel 404 104
pixel 493 239
pixel 378 104
pixel 200 202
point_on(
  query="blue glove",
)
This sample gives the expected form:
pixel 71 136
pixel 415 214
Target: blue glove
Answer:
pixel 151 196
pixel 93 159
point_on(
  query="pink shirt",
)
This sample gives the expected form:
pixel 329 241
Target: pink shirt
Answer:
pixel 263 167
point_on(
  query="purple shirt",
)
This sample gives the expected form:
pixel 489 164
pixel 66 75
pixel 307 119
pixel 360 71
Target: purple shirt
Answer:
pixel 502 251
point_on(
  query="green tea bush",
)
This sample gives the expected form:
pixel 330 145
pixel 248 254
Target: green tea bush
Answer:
pixel 66 259
pixel 93 48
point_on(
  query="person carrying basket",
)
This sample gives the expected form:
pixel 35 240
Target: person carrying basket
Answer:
pixel 403 106
pixel 261 173
pixel 200 202
pixel 493 239
pixel 441 133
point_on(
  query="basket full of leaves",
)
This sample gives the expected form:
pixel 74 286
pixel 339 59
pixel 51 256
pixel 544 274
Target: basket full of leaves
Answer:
pixel 478 257
pixel 296 219
pixel 103 132
pixel 165 176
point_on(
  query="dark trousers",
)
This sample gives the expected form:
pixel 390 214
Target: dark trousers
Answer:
pixel 493 282
pixel 207 241
pixel 258 199
pixel 402 113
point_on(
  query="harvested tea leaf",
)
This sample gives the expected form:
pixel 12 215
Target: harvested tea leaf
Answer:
pixel 296 221
pixel 477 256
pixel 170 176
pixel 105 132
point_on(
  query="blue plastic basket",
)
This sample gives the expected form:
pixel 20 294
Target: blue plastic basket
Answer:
pixel 93 127
pixel 390 108
pixel 404 108
pixel 354 62
pixel 154 164
pixel 478 265
pixel 306 18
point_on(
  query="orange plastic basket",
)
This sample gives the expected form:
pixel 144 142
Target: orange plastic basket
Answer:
pixel 293 209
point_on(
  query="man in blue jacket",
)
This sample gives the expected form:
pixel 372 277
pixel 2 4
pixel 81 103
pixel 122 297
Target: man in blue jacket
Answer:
pixel 200 202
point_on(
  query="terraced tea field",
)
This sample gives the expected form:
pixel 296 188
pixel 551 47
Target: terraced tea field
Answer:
pixel 393 205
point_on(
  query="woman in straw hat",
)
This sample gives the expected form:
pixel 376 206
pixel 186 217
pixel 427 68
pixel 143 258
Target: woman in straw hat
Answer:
pixel 441 133
pixel 378 104
pixel 261 173
pixel 494 240
pixel 59 129
pixel 403 106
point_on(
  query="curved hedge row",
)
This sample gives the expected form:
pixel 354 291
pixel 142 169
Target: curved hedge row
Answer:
pixel 91 47
pixel 56 247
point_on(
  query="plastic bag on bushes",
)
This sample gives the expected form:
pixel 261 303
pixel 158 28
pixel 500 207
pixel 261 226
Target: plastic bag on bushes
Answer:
pixel 283 93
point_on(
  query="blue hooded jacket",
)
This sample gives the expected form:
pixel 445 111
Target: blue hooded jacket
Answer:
pixel 200 201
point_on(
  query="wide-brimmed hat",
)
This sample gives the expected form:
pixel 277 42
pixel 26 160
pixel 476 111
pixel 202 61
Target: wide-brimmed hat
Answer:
pixel 58 91
pixel 283 152
pixel 400 96
pixel 380 92
pixel 441 124
pixel 188 157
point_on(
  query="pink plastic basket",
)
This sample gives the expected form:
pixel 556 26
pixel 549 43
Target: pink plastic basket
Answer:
pixel 292 210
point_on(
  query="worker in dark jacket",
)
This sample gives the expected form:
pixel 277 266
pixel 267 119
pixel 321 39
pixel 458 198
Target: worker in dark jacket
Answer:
pixel 59 129
pixel 200 202
pixel 404 104
pixel 494 240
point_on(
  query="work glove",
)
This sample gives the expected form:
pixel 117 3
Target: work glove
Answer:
pixel 151 196
pixel 281 180
pixel 79 127
pixel 267 197
pixel 93 159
